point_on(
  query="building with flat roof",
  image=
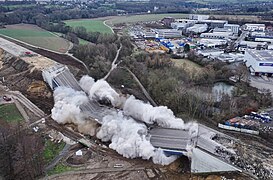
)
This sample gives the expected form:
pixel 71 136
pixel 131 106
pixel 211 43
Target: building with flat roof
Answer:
pixel 198 28
pixel 259 62
pixel 217 35
pixel 148 34
pixel 212 43
pixel 210 53
pixel 168 33
pixel 181 20
pixel 180 26
pixel 198 17
pixel 244 45
pixel 232 27
pixel 255 27
pixel 214 23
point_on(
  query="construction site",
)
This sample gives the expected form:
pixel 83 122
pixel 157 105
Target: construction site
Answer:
pixel 123 140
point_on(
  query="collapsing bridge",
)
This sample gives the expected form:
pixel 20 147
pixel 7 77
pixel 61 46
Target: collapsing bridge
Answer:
pixel 203 153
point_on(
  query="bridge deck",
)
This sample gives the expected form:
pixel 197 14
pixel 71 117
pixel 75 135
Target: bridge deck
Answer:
pixel 169 138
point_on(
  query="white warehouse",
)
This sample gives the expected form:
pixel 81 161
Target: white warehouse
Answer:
pixel 255 27
pixel 198 17
pixel 168 33
pixel 217 35
pixel 259 62
pixel 233 27
pixel 198 28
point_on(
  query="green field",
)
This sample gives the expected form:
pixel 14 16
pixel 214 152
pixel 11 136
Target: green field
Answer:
pixel 52 150
pixel 10 113
pixel 36 36
pixel 90 25
pixel 83 42
pixel 187 65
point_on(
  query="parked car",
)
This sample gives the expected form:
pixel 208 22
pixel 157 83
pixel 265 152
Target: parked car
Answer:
pixel 6 98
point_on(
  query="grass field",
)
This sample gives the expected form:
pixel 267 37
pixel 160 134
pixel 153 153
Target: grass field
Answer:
pixel 83 42
pixel 52 150
pixel 194 70
pixel 10 113
pixel 36 36
pixel 191 67
pixel 90 25
pixel 185 63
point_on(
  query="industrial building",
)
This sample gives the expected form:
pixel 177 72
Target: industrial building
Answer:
pixel 180 26
pixel 210 52
pixel 261 36
pixel 217 35
pixel 214 23
pixel 212 43
pixel 197 28
pixel 221 30
pixel 230 57
pixel 259 62
pixel 198 17
pixel 168 33
pixel 186 21
pixel 232 27
pixel 244 45
pixel 255 27
pixel 148 34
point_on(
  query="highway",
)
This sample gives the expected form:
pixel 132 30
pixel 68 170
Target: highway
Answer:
pixel 159 137
pixel 166 138
pixel 66 79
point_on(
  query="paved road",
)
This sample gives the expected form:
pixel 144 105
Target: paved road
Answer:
pixel 27 103
pixel 262 83
pixel 114 65
pixel 169 138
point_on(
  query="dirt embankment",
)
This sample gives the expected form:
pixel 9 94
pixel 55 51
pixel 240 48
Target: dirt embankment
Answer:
pixel 18 75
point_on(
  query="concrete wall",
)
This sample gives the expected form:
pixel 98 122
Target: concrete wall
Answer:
pixel 203 162
pixel 238 129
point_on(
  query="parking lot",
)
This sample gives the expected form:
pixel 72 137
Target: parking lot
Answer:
pixel 262 82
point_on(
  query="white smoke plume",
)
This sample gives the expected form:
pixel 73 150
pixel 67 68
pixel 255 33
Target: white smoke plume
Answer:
pixel 67 105
pixel 86 82
pixel 129 138
pixel 67 109
pixel 101 90
pixel 160 115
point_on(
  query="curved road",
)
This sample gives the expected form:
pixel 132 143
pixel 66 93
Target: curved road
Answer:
pixel 114 65
pixel 104 22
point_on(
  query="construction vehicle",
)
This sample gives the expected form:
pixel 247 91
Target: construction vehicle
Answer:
pixel 164 48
